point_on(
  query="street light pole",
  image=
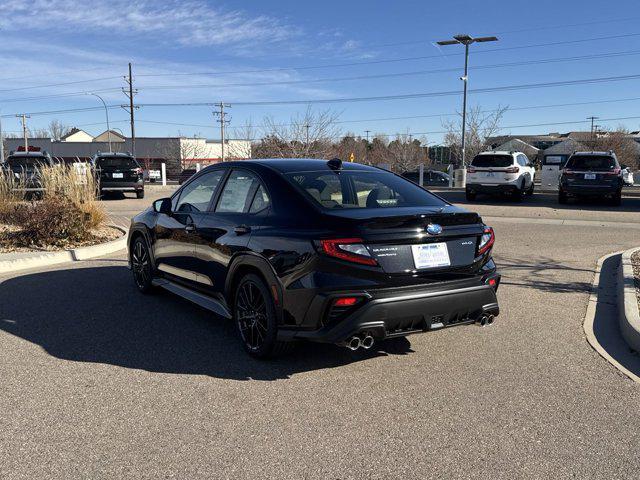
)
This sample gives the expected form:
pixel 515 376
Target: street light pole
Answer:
pixel 465 40
pixel 106 112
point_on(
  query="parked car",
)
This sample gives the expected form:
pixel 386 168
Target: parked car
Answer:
pixel 627 176
pixel 300 249
pixel 591 174
pixel 24 167
pixel 118 172
pixel 185 175
pixel 430 178
pixel 500 172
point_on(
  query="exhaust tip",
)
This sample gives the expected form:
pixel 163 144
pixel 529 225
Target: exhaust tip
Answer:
pixel 483 320
pixel 490 319
pixel 354 343
pixel 367 342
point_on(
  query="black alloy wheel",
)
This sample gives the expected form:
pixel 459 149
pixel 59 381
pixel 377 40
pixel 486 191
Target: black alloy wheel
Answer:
pixel 255 318
pixel 141 265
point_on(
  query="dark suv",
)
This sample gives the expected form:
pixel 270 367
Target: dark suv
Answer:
pixel 591 174
pixel 118 172
pixel 313 250
pixel 24 166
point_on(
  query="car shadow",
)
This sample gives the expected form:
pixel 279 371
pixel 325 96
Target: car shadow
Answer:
pixel 543 199
pixel 97 315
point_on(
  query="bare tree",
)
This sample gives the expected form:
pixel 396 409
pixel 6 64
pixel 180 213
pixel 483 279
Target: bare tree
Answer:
pixel 626 148
pixel 57 129
pixel 308 135
pixel 406 153
pixel 480 126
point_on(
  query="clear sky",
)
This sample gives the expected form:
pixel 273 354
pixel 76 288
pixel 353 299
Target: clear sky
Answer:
pixel 59 49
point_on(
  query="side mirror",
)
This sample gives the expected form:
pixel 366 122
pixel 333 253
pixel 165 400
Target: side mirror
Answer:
pixel 162 206
pixel 624 167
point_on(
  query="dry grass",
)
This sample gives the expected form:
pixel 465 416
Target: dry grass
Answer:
pixel 67 212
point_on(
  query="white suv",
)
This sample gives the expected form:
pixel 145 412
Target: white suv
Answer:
pixel 500 172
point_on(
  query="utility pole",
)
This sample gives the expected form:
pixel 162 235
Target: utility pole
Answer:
pixel 222 120
pixel 1 142
pixel 465 40
pixel 367 134
pixel 592 118
pixel 24 117
pixel 306 142
pixel 130 92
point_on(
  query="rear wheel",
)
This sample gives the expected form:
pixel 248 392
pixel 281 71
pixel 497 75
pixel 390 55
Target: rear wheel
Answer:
pixel 255 318
pixel 562 197
pixel 530 190
pixel 470 195
pixel 519 193
pixel 140 194
pixel 141 265
pixel 616 200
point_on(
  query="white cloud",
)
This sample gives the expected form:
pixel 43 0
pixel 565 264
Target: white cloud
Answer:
pixel 189 23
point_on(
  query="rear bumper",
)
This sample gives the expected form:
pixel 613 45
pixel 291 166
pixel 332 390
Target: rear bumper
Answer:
pixel 384 316
pixel 590 190
pixel 122 186
pixel 492 189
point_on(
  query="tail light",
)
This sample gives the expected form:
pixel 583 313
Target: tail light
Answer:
pixel 348 249
pixel 615 171
pixel 566 171
pixel 486 241
pixel 471 170
pixel 137 171
pixel 512 170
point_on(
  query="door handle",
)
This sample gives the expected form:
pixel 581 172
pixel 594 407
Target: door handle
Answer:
pixel 242 229
pixel 189 227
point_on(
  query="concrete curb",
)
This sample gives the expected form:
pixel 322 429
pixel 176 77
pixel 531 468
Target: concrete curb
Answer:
pixel 628 311
pixel 38 260
pixel 589 319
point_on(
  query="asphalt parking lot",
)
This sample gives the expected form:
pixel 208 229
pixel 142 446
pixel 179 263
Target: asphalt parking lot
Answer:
pixel 102 382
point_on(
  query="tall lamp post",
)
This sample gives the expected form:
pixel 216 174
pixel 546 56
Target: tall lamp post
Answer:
pixel 106 112
pixel 465 40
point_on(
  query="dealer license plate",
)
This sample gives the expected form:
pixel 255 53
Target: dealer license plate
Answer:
pixel 430 255
pixel 118 175
pixel 589 176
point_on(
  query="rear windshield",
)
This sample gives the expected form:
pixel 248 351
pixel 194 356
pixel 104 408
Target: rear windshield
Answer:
pixel 488 161
pixel 26 162
pixel 591 162
pixel 117 162
pixel 339 190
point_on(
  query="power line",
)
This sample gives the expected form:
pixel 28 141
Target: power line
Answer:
pixel 411 95
pixel 392 60
pixel 394 75
pixel 31 87
pixel 57 95
pixel 506 32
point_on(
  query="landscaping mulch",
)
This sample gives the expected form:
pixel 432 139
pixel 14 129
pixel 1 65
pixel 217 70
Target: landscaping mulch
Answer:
pixel 635 261
pixel 8 234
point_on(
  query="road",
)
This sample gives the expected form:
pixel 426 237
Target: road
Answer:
pixel 102 382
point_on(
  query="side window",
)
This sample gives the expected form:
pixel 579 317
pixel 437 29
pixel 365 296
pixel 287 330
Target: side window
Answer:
pixel 237 192
pixel 197 195
pixel 260 200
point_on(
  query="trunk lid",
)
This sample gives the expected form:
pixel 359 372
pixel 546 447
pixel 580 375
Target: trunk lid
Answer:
pixel 401 242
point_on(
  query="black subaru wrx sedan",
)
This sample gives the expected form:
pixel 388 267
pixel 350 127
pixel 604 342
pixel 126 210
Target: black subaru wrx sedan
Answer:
pixel 316 250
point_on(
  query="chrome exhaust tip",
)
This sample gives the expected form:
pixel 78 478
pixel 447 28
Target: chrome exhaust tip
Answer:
pixel 367 342
pixel 354 343
pixel 490 319
pixel 483 320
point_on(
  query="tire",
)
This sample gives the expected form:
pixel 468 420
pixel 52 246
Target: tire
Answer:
pixel 255 318
pixel 140 194
pixel 616 200
pixel 141 266
pixel 562 197
pixel 519 193
pixel 470 196
pixel 530 190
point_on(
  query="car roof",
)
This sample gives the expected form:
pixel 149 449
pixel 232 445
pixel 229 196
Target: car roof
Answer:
pixel 113 154
pixel 500 152
pixel 28 154
pixel 609 154
pixel 289 165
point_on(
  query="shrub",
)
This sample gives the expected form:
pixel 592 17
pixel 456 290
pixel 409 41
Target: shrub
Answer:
pixel 55 221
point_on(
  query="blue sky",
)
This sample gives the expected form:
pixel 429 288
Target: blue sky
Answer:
pixel 59 49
